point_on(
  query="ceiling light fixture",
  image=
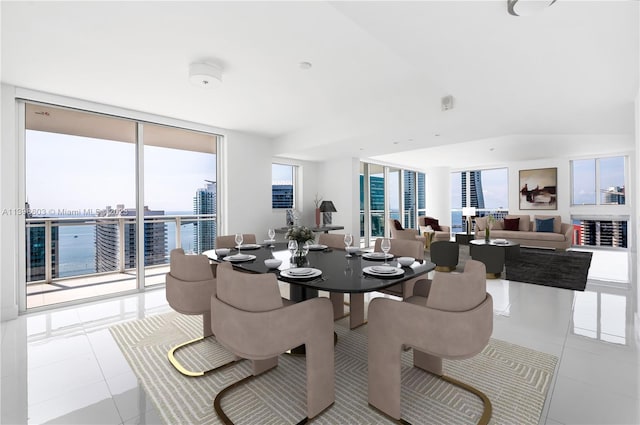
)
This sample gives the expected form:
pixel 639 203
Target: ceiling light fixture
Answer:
pixel 527 7
pixel 305 65
pixel 205 74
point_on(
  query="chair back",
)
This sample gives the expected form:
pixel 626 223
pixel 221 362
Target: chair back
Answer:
pixel 459 291
pixel 332 240
pixel 403 248
pixel 189 268
pixel 248 291
pixel 229 241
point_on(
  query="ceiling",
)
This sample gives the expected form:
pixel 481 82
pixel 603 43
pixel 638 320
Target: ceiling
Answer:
pixel 565 77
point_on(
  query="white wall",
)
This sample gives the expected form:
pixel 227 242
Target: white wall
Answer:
pixel 9 201
pixel 438 196
pixel 338 180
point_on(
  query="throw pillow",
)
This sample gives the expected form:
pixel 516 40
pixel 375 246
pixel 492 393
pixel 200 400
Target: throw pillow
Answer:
pixel 544 225
pixel 433 222
pixel 498 225
pixel 557 222
pixel 481 223
pixel 397 225
pixel 512 224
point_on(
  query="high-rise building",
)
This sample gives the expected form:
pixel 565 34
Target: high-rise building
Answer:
pixel 36 249
pixel 603 233
pixel 476 197
pixel 108 242
pixel 614 195
pixel 282 196
pixel 204 235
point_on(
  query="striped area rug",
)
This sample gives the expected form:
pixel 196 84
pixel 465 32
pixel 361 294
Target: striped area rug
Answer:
pixel 515 379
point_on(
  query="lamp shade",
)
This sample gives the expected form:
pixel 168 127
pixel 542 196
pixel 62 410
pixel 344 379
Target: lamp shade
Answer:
pixel 469 211
pixel 327 206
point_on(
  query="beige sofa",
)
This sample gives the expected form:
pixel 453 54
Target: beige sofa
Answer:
pixel 527 234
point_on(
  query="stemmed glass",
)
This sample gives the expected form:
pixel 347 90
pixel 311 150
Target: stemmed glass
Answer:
pixel 239 240
pixel 272 234
pixel 293 247
pixel 348 239
pixel 385 245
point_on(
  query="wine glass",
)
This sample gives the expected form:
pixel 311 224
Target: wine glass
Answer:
pixel 385 245
pixel 348 239
pixel 293 247
pixel 239 240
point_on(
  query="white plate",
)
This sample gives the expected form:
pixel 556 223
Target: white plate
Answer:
pixel 501 241
pixel 383 272
pixel 317 247
pixel 377 256
pixel 239 258
pixel 249 246
pixel 291 273
pixel 300 271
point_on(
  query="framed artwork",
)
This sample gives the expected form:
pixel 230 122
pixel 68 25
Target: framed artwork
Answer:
pixel 538 189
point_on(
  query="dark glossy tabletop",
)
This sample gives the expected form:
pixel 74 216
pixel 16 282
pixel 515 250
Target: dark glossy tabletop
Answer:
pixel 339 273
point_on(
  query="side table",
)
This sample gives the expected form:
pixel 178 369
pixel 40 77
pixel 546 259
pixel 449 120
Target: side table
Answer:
pixel 463 238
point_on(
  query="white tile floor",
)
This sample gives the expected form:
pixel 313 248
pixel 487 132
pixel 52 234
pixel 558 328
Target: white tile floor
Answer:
pixel 63 367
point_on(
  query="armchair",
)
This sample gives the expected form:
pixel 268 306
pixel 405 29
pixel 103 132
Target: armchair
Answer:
pixel 403 248
pixel 441 232
pixel 190 284
pixel 408 234
pixel 251 320
pixel 453 321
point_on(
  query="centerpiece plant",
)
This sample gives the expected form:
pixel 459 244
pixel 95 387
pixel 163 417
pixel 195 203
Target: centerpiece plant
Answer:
pixel 487 231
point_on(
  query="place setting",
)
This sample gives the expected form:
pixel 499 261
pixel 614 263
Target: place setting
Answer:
pixel 383 271
pixel 301 273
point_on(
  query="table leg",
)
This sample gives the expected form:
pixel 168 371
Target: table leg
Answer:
pixel 356 308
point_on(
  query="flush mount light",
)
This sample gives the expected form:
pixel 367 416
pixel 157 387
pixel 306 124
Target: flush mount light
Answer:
pixel 205 74
pixel 305 65
pixel 527 7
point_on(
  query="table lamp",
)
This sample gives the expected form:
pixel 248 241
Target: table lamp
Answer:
pixel 469 212
pixel 327 207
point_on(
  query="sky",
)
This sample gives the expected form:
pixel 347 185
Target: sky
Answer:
pixel 65 172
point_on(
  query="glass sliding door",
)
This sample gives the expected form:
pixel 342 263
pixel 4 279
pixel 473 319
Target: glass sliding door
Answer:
pixel 376 201
pixel 80 233
pixel 180 195
pixel 394 200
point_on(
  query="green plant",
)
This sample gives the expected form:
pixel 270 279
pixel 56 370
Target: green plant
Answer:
pixel 301 234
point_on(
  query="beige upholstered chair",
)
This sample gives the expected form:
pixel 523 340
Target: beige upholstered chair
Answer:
pixel 408 234
pixel 444 234
pixel 403 248
pixel 454 321
pixel 251 320
pixel 445 255
pixel 190 284
pixel 229 241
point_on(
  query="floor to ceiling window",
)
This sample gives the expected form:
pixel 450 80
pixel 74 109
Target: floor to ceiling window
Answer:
pixel 389 192
pixel 486 190
pixel 84 217
pixel 180 195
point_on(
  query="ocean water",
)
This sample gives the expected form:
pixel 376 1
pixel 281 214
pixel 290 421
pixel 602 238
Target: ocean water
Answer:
pixel 77 250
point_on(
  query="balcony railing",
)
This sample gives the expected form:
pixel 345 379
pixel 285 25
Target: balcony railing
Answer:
pixel 61 247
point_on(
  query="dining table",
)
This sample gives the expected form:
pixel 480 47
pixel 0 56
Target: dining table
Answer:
pixel 325 269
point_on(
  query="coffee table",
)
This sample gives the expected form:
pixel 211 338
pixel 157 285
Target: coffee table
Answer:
pixel 511 249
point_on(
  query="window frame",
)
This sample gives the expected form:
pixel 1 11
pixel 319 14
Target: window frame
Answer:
pixel 597 177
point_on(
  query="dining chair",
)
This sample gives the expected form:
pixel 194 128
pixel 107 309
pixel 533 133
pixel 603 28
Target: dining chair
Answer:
pixel 454 321
pixel 403 248
pixel 229 241
pixel 190 284
pixel 252 321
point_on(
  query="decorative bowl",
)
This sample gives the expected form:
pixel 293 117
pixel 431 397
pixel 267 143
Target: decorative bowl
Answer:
pixel 353 249
pixel 272 263
pixel 221 252
pixel 406 261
